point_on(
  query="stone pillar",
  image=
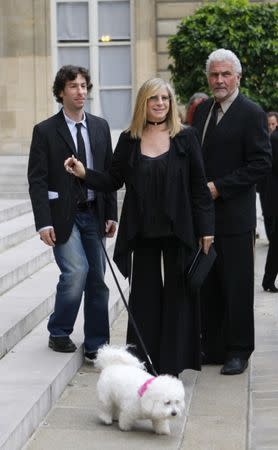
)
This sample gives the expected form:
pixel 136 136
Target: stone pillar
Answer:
pixel 144 62
pixel 25 74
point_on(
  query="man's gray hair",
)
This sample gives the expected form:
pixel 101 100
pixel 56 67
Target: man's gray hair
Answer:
pixel 224 55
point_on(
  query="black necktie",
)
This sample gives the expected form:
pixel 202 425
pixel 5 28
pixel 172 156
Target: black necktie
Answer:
pixel 212 123
pixel 82 194
pixel 81 145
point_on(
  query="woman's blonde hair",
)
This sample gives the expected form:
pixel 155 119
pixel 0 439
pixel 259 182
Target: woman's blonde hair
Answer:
pixel 139 119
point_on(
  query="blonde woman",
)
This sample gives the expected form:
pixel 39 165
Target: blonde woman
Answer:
pixel 167 211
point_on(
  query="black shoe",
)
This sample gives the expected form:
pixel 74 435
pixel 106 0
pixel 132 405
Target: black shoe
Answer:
pixel 270 287
pixel 234 366
pixel 61 344
pixel 90 356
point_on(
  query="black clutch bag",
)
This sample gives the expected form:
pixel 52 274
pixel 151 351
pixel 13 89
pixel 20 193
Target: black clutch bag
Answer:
pixel 200 268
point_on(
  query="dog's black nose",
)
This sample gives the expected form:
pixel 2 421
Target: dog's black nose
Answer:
pixel 173 413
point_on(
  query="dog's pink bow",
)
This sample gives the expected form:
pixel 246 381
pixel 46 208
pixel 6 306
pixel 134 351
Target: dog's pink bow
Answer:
pixel 144 387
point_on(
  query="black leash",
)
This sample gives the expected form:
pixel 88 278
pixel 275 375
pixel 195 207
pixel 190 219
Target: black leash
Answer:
pixel 131 318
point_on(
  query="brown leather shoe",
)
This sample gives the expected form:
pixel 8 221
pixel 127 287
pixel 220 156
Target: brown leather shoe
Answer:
pixel 61 344
pixel 234 366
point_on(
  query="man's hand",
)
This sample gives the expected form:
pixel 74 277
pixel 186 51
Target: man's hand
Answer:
pixel 48 236
pixel 214 192
pixel 110 228
pixel 75 167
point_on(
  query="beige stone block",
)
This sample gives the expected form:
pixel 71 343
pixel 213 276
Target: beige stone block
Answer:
pixel 165 74
pixel 43 87
pixel 163 61
pixel 7 122
pixel 162 44
pixel 18 28
pixel 176 10
pixel 42 26
pixel 20 95
pixel 167 27
pixel 25 123
pixel 3 98
pixel 9 73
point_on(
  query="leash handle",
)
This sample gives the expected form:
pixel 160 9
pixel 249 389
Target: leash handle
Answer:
pixel 129 312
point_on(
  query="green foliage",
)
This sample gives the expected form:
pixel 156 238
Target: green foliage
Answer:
pixel 249 30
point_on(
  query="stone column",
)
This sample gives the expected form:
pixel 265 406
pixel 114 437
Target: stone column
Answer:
pixel 144 63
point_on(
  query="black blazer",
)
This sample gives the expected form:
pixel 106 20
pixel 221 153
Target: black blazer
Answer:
pixel 269 186
pixel 238 155
pixel 51 144
pixel 188 202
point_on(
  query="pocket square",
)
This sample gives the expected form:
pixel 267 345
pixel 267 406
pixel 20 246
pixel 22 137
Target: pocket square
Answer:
pixel 52 195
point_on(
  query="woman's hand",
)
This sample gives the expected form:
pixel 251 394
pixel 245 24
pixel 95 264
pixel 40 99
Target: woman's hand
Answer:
pixel 75 167
pixel 205 242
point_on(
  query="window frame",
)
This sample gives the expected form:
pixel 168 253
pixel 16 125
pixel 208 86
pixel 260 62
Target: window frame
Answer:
pixel 94 46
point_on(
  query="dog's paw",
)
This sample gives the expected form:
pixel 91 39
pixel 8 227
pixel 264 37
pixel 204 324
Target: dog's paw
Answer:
pixel 125 427
pixel 161 427
pixel 125 423
pixel 106 418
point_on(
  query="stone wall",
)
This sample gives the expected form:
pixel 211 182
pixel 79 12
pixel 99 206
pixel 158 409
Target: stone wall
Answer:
pixel 168 16
pixel 25 74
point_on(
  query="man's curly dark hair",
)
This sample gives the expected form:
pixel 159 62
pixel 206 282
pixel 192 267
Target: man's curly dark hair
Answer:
pixel 69 73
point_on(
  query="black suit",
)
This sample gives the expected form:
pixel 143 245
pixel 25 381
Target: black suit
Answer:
pixel 269 198
pixel 51 145
pixel 237 156
pixel 78 252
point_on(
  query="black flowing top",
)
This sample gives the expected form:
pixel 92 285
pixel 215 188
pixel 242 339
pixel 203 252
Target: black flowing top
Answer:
pixel 151 190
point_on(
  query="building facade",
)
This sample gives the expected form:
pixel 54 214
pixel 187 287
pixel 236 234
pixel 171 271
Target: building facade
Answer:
pixel 122 42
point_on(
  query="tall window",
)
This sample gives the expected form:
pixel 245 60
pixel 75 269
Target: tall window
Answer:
pixel 96 34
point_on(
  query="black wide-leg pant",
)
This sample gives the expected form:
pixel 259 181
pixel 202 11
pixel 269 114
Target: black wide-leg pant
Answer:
pixel 271 266
pixel 227 298
pixel 167 318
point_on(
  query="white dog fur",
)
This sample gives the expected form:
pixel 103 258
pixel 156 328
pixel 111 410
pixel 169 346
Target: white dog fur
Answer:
pixel 122 376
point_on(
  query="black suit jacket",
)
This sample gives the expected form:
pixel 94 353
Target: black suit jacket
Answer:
pixel 238 156
pixel 269 186
pixel 51 144
pixel 188 202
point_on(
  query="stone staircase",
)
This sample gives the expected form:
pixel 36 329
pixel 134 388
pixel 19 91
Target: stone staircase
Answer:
pixel 13 180
pixel 32 376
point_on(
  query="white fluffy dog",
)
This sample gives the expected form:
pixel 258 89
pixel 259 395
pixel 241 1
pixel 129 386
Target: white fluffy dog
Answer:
pixel 126 392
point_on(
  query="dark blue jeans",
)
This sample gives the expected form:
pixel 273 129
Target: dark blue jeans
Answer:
pixel 81 261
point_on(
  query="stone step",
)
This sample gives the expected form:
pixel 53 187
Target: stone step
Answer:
pixel 29 290
pixel 9 177
pixel 26 305
pixel 18 263
pixel 16 230
pixel 10 208
pixel 32 376
pixel 13 176
pixel 29 302
pixel 14 187
pixel 14 195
